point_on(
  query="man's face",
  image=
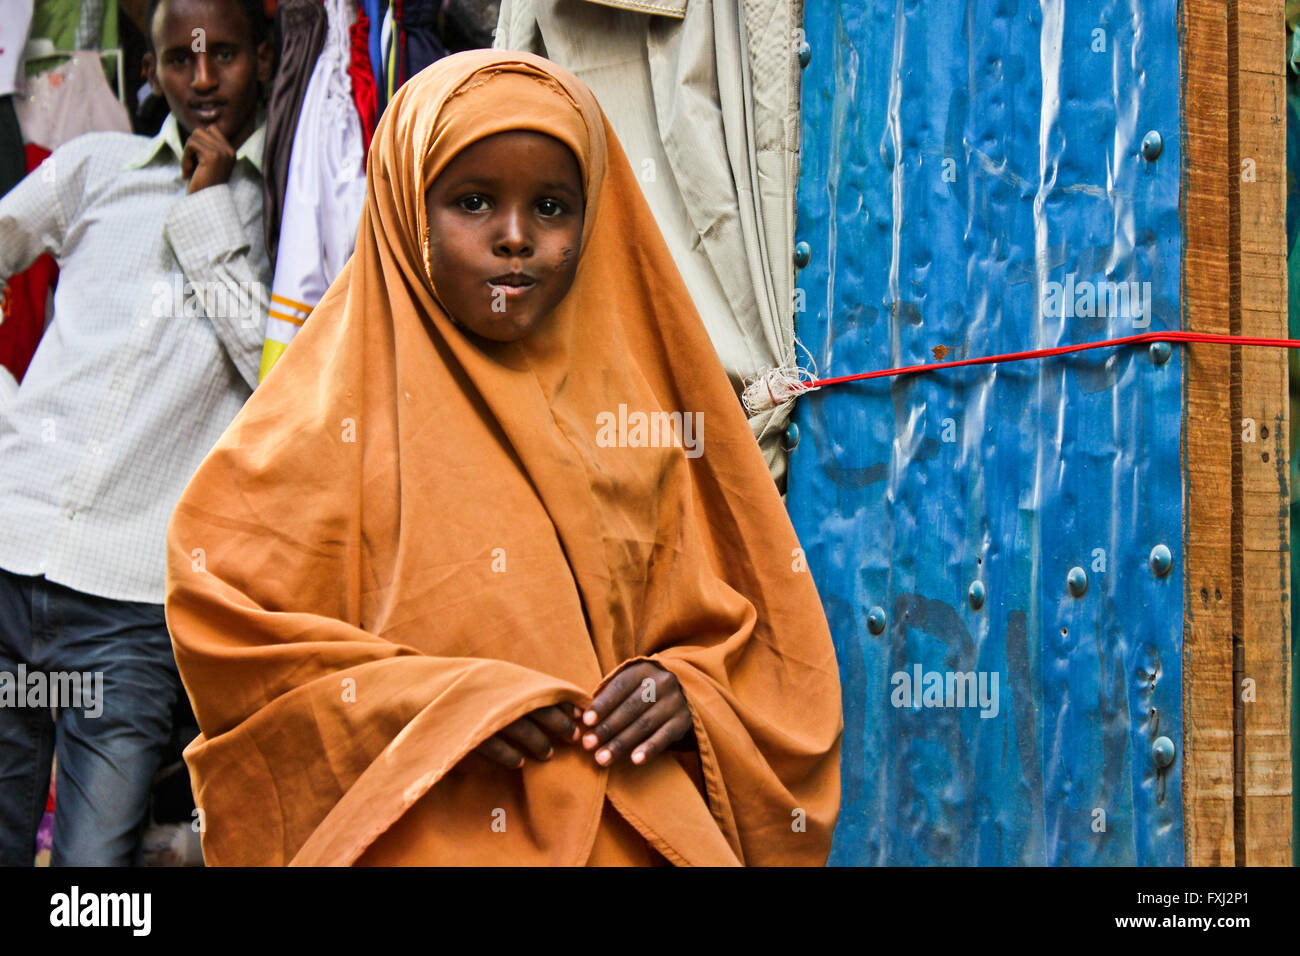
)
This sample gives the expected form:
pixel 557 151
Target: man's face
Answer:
pixel 206 66
pixel 505 231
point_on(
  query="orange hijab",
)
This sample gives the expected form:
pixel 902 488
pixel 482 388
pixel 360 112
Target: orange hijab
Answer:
pixel 406 540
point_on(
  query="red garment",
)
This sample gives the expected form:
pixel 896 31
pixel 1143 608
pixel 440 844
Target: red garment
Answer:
pixel 22 299
pixel 364 94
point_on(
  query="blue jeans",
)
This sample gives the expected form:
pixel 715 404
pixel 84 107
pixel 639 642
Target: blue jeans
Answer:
pixel 110 744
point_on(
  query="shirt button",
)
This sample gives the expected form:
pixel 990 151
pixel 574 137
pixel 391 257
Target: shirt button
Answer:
pixel 69 514
pixel 142 323
pixel 96 450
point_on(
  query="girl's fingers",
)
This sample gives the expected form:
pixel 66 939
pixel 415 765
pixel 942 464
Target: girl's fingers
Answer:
pixel 528 737
pixel 643 685
pixel 641 729
pixel 500 752
pixel 668 733
pixel 558 722
pixel 622 716
pixel 650 680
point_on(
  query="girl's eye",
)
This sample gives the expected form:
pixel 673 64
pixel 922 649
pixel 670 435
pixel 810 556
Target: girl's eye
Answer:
pixel 471 203
pixel 549 208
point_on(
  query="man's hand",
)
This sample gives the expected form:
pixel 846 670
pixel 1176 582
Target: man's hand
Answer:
pixel 532 734
pixel 641 711
pixel 208 159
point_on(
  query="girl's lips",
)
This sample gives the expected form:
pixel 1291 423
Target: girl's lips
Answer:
pixel 510 291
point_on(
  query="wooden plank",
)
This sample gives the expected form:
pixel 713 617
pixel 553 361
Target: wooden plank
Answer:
pixel 1257 34
pixel 1209 436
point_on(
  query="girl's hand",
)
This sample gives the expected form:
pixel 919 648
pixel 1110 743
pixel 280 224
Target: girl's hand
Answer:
pixel 532 735
pixel 641 711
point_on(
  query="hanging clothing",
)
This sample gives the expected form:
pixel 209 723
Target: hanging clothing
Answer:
pixel 72 25
pixel 705 97
pixel 301 25
pixel 139 373
pixel 13 165
pixel 90 27
pixel 324 194
pixel 63 103
pixel 14 25
pixel 363 78
pixel 375 11
pixel 58 21
pixel 23 301
pixel 421 42
pixel 388 40
pixel 399 44
pixel 364 559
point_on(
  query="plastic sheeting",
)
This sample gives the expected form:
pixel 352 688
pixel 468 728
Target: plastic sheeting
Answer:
pixel 973 182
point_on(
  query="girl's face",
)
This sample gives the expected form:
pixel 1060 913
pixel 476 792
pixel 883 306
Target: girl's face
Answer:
pixel 505 231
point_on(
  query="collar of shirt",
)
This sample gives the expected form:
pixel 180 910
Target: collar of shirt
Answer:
pixel 170 135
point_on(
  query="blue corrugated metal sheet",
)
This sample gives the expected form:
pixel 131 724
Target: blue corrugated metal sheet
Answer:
pixel 958 159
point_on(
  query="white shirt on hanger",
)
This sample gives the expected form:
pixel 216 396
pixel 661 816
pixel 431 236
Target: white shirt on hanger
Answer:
pixel 325 191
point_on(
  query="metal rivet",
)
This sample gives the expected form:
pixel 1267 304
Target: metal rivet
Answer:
pixel 1162 752
pixel 1160 352
pixel 1152 145
pixel 791 437
pixel 805 54
pixel 1077 581
pixel 876 620
pixel 802 254
pixel 1161 560
pixel 976 595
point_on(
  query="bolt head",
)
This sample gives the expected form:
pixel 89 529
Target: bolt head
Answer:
pixel 1162 752
pixel 1077 582
pixel 876 620
pixel 1152 146
pixel 791 439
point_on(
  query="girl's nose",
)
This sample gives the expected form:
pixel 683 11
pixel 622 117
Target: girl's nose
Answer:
pixel 513 240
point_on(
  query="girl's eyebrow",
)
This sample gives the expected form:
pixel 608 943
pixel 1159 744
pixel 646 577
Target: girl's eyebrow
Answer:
pixel 486 181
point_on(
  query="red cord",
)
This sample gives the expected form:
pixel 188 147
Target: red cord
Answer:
pixel 1210 337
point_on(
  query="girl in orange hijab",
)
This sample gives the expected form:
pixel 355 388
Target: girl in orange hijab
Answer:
pixel 463 582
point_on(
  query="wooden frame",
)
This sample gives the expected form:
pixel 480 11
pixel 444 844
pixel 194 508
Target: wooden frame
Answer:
pixel 1237 630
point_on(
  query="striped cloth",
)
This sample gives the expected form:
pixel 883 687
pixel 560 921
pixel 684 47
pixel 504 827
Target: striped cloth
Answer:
pixel 154 347
pixel 324 193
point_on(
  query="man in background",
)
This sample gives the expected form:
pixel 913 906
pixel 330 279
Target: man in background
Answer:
pixel 154 347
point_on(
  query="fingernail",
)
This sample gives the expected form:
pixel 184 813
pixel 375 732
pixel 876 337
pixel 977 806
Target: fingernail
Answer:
pixel 589 718
pixel 602 758
pixel 576 734
pixel 520 764
pixel 638 757
pixel 549 754
pixel 590 741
